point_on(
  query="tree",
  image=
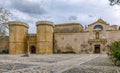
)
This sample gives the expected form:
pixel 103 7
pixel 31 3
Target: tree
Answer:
pixel 119 28
pixel 4 17
pixel 115 49
pixel 114 2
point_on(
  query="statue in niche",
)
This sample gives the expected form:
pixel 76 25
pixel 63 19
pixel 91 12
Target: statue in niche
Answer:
pixel 97 35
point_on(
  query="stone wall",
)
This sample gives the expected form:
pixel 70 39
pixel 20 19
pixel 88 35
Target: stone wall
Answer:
pixel 68 28
pixel 70 41
pixel 113 36
pixel 32 39
pixel 4 42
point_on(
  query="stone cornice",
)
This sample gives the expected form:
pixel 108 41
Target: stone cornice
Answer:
pixel 17 23
pixel 44 23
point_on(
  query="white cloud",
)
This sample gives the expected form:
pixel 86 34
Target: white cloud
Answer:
pixel 59 11
pixel 23 17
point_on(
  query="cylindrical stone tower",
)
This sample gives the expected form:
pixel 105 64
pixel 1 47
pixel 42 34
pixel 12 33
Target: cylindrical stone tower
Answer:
pixel 44 37
pixel 17 37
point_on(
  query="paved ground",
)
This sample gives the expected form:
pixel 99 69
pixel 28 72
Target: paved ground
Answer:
pixel 101 64
pixel 58 63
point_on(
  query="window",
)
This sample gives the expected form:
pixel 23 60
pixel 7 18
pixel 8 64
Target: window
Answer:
pixel 98 27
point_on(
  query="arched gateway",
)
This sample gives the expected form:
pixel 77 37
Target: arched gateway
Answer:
pixel 32 49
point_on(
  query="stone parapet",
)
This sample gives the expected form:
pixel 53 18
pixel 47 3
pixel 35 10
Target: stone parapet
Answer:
pixel 68 28
pixel 17 23
pixel 44 23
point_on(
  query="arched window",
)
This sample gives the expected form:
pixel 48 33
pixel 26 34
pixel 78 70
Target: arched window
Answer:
pixel 98 27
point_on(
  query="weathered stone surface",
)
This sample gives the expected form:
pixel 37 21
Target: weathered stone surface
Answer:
pixel 68 28
pixel 58 63
pixel 17 37
pixel 44 37
pixel 118 63
pixel 100 64
pixel 98 33
pixel 4 42
pixel 68 37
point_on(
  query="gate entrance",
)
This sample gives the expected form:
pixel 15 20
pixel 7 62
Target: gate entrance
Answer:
pixel 32 49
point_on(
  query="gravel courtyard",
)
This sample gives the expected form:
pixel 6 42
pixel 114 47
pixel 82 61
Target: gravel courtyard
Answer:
pixel 57 63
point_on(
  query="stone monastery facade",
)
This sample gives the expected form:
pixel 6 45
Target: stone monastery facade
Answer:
pixel 61 38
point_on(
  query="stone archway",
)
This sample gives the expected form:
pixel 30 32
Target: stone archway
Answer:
pixel 32 49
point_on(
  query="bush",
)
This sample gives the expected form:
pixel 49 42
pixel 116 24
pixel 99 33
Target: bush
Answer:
pixel 116 54
pixel 115 49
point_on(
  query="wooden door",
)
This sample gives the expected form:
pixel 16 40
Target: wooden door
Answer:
pixel 97 49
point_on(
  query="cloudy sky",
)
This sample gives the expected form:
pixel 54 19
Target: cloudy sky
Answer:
pixel 61 11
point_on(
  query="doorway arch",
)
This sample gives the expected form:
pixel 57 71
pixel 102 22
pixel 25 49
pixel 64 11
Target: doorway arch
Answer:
pixel 32 49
